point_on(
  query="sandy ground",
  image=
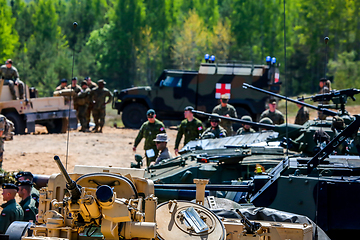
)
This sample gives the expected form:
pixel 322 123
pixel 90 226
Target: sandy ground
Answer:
pixel 35 152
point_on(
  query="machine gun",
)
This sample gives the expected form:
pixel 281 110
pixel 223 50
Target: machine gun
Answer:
pixel 338 97
pixel 321 109
pixel 251 227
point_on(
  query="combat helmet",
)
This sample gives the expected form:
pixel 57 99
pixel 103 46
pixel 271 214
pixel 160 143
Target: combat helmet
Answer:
pixel 266 120
pixel 214 118
pixel 246 118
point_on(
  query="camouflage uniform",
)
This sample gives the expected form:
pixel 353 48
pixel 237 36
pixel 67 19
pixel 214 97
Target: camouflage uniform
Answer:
pixel 10 76
pixel 58 88
pixel 277 117
pixel 164 154
pixel 323 90
pixel 192 130
pixel 76 89
pixel 302 116
pixel 149 131
pixel 30 210
pixel 11 212
pixel 83 100
pixel 2 128
pixel 92 85
pixel 98 96
pixel 218 131
pixel 242 130
pixel 222 111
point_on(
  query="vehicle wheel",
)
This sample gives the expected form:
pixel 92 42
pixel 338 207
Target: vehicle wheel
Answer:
pixel 57 125
pixel 18 122
pixel 17 230
pixel 240 112
pixel 134 115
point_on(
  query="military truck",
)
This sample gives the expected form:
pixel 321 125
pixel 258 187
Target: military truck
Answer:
pixel 176 89
pixel 51 112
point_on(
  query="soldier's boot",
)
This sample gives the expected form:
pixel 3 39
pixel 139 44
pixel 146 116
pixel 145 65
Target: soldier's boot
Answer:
pixel 96 129
pixel 100 131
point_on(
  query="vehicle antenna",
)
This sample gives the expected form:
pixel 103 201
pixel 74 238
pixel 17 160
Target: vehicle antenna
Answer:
pixel 286 85
pixel 326 40
pixel 72 76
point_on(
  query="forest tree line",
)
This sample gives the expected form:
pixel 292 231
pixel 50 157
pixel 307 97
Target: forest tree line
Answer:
pixel 130 42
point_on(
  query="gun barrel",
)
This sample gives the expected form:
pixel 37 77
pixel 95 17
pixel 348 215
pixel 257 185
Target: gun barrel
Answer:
pixel 262 125
pixel 324 110
pixel 63 170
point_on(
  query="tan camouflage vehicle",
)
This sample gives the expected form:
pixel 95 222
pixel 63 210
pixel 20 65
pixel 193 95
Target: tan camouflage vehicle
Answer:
pixel 176 89
pixel 51 112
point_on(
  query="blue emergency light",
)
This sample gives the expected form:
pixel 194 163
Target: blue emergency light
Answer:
pixel 212 58
pixel 207 56
pixel 273 60
pixel 268 59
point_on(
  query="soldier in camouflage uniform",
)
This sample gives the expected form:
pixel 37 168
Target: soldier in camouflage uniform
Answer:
pixel 215 130
pixel 11 210
pixel 302 115
pixel 227 110
pixel 83 100
pixel 76 88
pixel 27 203
pixel 62 85
pixel 2 129
pixel 191 128
pixel 98 96
pixel 275 115
pixel 245 128
pixel 149 130
pixel 27 176
pixel 325 87
pixel 11 77
pixel 91 85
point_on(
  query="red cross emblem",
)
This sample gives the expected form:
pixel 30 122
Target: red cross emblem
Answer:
pixel 222 88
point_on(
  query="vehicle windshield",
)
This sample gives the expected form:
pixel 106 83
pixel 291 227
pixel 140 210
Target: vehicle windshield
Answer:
pixel 171 81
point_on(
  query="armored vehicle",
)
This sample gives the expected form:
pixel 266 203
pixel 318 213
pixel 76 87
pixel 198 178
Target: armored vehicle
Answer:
pixel 176 89
pixel 103 205
pixel 51 112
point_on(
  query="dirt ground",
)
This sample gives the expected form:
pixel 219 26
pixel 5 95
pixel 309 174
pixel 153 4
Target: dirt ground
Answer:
pixel 35 152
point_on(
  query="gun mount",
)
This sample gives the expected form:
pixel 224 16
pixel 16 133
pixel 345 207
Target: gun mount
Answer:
pixel 112 207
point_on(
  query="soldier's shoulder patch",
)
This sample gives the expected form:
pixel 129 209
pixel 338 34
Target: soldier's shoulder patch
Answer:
pixel 200 128
pixel 162 129
pixel 3 214
pixel 27 210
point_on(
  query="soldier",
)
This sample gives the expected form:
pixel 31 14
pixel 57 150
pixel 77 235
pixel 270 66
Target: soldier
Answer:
pixel 2 135
pixel 83 100
pixel 245 127
pixel 149 130
pixel 215 130
pixel 62 85
pixel 91 85
pixel 27 203
pixel 22 176
pixel 76 88
pixel 11 77
pixel 265 120
pixel 161 141
pixel 302 115
pixel 325 87
pixel 98 96
pixel 227 110
pixel 191 127
pixel 11 210
pixel 275 115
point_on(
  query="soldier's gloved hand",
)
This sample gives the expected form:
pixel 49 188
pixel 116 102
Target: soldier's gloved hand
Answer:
pixel 134 149
pixel 176 152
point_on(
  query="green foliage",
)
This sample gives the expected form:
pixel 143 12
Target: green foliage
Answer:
pixel 129 42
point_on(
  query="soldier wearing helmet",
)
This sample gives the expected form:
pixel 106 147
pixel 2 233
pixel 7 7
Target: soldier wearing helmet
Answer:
pixel 245 127
pixel 11 77
pixel 215 128
pixel 227 110
pixel 302 115
pixel 265 120
pixel 325 87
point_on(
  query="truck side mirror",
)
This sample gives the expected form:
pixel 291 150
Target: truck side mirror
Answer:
pixel 161 83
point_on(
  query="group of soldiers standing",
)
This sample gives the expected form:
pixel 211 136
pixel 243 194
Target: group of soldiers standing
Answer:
pixel 88 97
pixel 26 209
